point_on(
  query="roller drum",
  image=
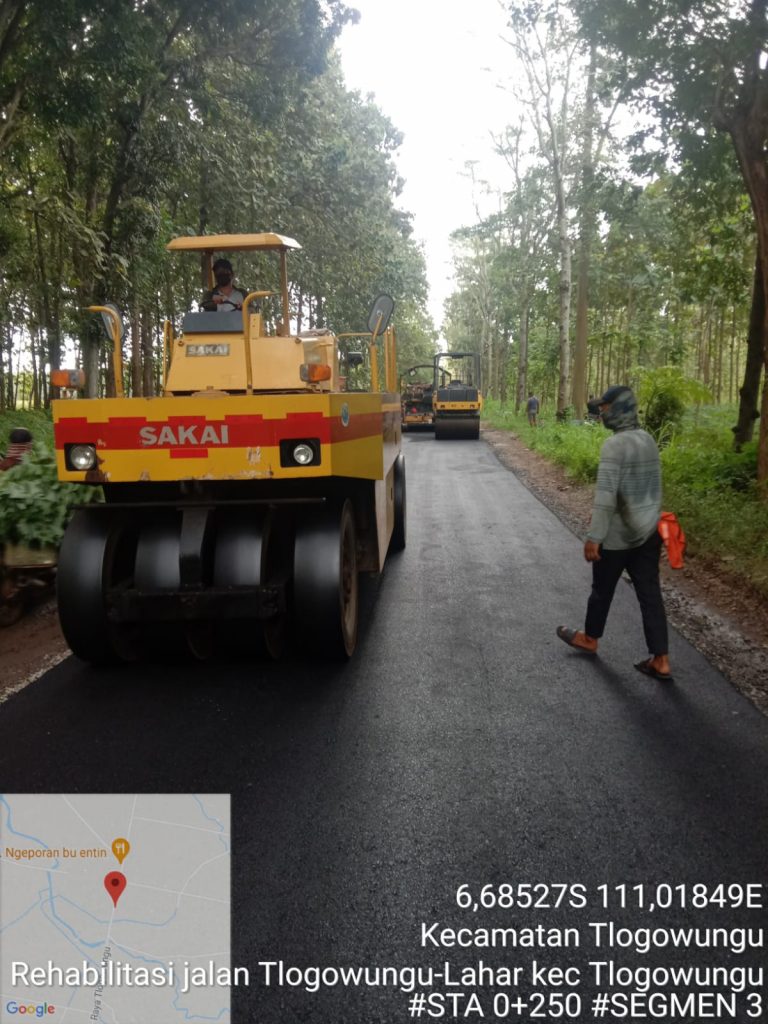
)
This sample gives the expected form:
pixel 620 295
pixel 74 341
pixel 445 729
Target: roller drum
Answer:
pixel 457 428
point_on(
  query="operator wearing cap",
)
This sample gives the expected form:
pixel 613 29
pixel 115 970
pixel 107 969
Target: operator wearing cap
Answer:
pixel 225 297
pixel 623 533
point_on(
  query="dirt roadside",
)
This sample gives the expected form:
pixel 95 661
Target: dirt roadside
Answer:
pixel 30 647
pixel 712 610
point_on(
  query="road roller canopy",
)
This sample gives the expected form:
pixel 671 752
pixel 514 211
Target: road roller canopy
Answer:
pixel 265 241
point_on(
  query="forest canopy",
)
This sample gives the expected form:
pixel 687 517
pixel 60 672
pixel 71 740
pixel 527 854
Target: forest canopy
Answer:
pixel 123 125
pixel 633 232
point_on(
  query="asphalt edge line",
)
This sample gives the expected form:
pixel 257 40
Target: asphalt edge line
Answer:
pixel 49 661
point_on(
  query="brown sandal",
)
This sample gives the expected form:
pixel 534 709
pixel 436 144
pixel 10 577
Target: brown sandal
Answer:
pixel 569 636
pixel 648 670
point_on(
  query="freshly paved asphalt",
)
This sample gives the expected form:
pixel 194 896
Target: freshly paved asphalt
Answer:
pixel 463 744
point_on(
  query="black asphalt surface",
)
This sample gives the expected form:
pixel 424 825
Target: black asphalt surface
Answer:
pixel 464 744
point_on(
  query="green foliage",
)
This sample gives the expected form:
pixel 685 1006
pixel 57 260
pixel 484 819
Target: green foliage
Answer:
pixel 575 446
pixel 663 395
pixel 37 422
pixel 709 486
pixel 34 505
pixel 139 123
pixel 713 490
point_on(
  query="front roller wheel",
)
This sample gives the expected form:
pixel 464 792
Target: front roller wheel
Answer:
pixel 97 552
pixel 252 551
pixel 399 531
pixel 457 428
pixel 325 581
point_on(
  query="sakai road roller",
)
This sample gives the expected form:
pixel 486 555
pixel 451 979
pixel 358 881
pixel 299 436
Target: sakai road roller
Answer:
pixel 458 403
pixel 244 501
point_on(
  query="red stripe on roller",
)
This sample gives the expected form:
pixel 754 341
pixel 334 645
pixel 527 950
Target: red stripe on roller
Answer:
pixel 362 424
pixel 123 433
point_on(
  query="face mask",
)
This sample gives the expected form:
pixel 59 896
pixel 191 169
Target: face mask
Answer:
pixel 223 277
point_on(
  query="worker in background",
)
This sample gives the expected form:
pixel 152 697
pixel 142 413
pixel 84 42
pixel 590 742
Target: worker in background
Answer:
pixel 19 443
pixel 225 297
pixel 532 408
pixel 624 532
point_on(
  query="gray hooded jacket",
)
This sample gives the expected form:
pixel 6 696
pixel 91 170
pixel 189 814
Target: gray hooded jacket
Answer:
pixel 627 503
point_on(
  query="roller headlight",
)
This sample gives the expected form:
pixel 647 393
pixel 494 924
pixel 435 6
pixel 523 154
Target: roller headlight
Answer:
pixel 300 451
pixel 303 454
pixel 81 457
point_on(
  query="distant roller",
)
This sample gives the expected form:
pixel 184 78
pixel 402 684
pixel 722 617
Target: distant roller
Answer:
pixel 458 400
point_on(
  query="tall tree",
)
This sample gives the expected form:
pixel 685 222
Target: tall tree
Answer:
pixel 700 64
pixel 543 40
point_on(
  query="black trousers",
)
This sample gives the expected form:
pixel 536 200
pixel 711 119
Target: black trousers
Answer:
pixel 642 564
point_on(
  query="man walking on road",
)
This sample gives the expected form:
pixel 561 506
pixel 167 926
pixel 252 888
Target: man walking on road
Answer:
pixel 624 532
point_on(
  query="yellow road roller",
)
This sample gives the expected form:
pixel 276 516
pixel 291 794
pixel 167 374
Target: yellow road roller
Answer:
pixel 244 501
pixel 457 402
pixel 416 391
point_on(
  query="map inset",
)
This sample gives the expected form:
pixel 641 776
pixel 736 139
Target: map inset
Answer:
pixel 114 908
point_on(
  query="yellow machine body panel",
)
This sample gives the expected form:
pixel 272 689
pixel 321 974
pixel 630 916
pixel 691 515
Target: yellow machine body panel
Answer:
pixel 417 419
pixel 471 407
pixel 234 437
pixel 216 361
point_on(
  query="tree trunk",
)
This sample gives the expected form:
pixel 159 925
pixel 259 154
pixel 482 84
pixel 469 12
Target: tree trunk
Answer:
pixel 91 362
pixel 762 444
pixel 747 130
pixel 148 383
pixel 8 389
pixel 136 375
pixel 522 357
pixel 564 343
pixel 579 384
pixel 757 338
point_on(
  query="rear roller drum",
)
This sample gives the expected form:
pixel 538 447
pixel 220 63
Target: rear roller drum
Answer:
pixel 97 553
pixel 325 581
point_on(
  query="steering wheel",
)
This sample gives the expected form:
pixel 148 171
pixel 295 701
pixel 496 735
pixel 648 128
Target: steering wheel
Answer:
pixel 229 302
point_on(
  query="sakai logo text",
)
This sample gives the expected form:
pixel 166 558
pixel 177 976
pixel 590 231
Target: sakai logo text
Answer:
pixel 177 436
pixel 30 1009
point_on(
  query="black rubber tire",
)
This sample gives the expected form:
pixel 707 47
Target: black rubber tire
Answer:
pixel 157 556
pixel 325 582
pixel 397 543
pixel 251 551
pixel 95 553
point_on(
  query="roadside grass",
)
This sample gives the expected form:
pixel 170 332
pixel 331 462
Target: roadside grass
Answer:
pixel 37 422
pixel 709 486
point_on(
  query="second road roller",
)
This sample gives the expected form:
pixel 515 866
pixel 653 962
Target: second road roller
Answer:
pixel 457 404
pixel 243 503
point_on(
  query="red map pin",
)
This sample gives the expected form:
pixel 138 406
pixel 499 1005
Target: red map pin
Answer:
pixel 114 883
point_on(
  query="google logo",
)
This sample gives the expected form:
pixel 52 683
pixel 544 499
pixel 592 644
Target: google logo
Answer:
pixel 34 1011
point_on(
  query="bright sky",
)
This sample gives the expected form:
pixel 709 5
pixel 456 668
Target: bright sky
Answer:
pixel 433 68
